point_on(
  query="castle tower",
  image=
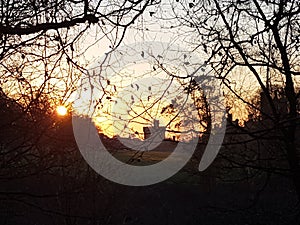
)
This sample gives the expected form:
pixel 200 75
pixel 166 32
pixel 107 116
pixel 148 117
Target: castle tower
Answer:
pixel 155 128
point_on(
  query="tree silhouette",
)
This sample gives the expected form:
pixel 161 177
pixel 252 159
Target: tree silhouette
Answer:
pixel 40 64
pixel 255 40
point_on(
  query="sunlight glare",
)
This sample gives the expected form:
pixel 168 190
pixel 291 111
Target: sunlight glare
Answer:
pixel 61 110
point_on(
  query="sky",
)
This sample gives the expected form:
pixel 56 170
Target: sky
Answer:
pixel 91 50
pixel 121 79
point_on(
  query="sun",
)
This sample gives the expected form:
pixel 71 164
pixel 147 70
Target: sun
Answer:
pixel 61 110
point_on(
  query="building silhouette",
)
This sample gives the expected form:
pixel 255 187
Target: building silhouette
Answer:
pixel 160 130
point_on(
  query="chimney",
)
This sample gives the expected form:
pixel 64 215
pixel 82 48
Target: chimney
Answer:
pixel 156 123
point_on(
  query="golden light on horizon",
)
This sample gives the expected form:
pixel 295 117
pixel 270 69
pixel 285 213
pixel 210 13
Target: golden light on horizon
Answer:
pixel 61 110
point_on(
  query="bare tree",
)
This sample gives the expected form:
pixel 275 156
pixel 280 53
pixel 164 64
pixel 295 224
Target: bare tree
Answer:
pixel 256 40
pixel 42 46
